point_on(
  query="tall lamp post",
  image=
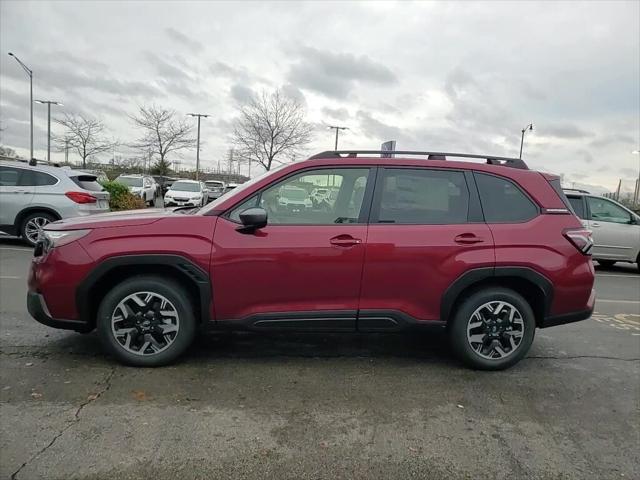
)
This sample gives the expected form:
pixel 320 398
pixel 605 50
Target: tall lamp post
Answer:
pixel 337 129
pixel 528 127
pixel 30 73
pixel 199 115
pixel 48 103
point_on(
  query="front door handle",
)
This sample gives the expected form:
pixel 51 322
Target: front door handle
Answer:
pixel 467 239
pixel 345 241
pixel 21 191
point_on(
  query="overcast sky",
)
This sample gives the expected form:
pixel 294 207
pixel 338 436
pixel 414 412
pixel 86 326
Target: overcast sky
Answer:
pixel 457 76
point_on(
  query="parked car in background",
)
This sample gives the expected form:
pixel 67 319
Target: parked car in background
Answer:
pixel 294 198
pixel 616 229
pixel 186 193
pixel 215 189
pixel 33 196
pixel 142 186
pixel 488 251
pixel 318 195
pixel 230 186
pixel 164 183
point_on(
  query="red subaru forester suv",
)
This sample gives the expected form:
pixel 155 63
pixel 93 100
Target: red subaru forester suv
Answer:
pixel 488 250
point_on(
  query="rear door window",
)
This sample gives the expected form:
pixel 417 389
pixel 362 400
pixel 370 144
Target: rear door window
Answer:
pixel 604 210
pixel 422 196
pixel 503 201
pixel 40 179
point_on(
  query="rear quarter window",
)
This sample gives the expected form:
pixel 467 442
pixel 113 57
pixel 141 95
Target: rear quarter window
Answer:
pixel 577 204
pixel 503 201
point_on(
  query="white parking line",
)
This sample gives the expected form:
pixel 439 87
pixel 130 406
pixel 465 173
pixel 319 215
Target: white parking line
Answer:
pixel 9 277
pixel 17 249
pixel 606 300
pixel 631 275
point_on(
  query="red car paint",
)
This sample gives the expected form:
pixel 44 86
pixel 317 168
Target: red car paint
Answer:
pixel 344 267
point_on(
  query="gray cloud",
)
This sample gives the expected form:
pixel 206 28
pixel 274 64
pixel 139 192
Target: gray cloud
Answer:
pixel 564 131
pixel 183 39
pixel 607 140
pixel 337 74
pixel 241 94
pixel 337 113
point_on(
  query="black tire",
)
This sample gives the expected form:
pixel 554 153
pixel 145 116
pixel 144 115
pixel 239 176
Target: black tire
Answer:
pixel 463 316
pixel 607 263
pixel 172 292
pixel 28 223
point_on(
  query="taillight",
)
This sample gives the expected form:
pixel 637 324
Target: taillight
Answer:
pixel 81 197
pixel 580 238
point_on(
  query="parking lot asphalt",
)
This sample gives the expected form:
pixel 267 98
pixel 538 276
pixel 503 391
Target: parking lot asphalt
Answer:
pixel 248 406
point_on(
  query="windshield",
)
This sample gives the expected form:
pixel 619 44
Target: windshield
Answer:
pixel 186 187
pixel 130 181
pixel 239 189
pixel 213 184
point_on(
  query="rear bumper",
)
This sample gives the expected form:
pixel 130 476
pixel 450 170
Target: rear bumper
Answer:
pixel 553 321
pixel 40 312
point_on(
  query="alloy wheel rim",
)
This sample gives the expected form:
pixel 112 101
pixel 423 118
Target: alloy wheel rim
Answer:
pixel 145 323
pixel 495 330
pixel 34 227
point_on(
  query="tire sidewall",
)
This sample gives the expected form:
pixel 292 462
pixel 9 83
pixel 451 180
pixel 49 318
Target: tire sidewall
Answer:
pixel 26 219
pixel 458 328
pixel 170 290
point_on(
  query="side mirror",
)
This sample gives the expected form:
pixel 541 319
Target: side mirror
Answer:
pixel 252 219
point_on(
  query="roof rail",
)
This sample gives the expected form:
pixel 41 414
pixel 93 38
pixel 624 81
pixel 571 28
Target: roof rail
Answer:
pixel 491 160
pixel 579 190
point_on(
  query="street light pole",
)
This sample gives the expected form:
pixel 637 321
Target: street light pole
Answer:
pixel 528 127
pixel 199 115
pixel 337 129
pixel 30 73
pixel 48 103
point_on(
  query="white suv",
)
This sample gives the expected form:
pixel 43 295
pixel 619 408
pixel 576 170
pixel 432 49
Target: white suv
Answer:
pixel 616 229
pixel 32 196
pixel 191 193
pixel 142 186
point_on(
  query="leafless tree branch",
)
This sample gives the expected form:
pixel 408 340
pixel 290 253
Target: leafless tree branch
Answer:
pixel 269 127
pixel 84 135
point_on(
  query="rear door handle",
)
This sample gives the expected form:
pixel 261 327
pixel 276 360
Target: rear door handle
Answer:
pixel 21 191
pixel 467 239
pixel 595 224
pixel 345 241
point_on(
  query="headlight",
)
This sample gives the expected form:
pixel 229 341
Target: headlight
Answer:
pixel 57 238
pixel 197 198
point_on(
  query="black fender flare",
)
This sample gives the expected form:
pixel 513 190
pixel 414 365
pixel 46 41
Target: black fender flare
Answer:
pixel 181 264
pixel 476 275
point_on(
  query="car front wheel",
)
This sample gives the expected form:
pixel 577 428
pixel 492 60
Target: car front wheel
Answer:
pixel 492 329
pixel 146 321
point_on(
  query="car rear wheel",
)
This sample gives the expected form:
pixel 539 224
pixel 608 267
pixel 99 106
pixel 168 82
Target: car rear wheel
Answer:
pixel 492 329
pixel 32 224
pixel 607 263
pixel 146 321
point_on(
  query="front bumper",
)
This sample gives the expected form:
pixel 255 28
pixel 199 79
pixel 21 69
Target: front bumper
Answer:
pixel 553 321
pixel 38 309
pixel 188 203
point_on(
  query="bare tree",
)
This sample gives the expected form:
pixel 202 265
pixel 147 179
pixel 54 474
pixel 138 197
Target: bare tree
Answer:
pixel 271 127
pixel 162 135
pixel 84 135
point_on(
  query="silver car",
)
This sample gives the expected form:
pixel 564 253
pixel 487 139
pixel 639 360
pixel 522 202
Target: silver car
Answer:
pixel 616 229
pixel 32 196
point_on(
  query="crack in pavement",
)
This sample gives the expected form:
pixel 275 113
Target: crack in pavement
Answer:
pixel 570 357
pixel 76 419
